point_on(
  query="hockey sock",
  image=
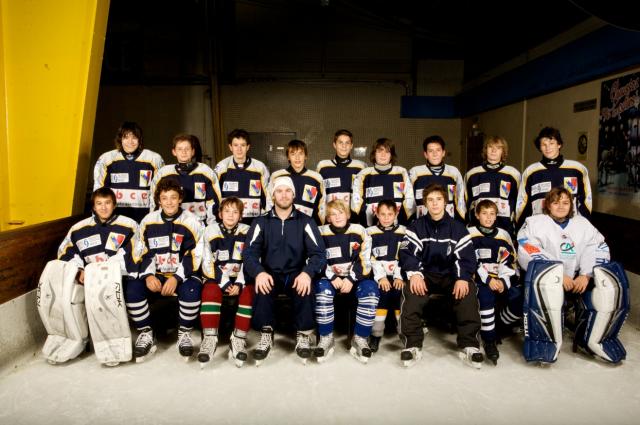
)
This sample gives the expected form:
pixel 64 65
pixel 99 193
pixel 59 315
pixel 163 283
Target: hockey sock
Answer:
pixel 378 323
pixel 210 309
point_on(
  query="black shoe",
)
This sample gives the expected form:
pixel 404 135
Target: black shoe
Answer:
pixel 374 343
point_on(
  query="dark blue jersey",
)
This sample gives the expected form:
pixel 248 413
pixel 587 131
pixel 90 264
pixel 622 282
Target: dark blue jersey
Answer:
pixel 449 178
pixel 309 197
pixel 222 254
pixel 348 252
pixel 495 254
pixel 385 244
pixel 338 177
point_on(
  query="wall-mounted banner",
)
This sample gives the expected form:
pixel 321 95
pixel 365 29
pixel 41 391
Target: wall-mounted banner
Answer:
pixel 619 138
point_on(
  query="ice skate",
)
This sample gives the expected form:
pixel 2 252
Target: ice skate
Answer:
pixel 237 350
pixel 325 348
pixel 360 349
pixel 491 350
pixel 303 347
pixel 263 349
pixel 145 344
pixel 374 343
pixel 207 348
pixel 410 356
pixel 185 343
pixel 471 356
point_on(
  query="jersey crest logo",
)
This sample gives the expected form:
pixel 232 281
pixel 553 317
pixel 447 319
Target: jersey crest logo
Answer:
pixel 505 189
pixel 176 241
pixel 114 241
pixel 571 184
pixel 145 178
pixel 503 253
pixel 309 193
pixel 354 246
pixel 255 188
pixel 238 247
pixel 398 189
pixel 567 249
pixel 199 191
pixel 452 192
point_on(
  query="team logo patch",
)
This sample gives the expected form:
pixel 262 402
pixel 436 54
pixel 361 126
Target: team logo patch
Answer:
pixel 398 189
pixel 199 191
pixel 505 189
pixel 567 249
pixel 531 249
pixel 255 188
pixel 114 241
pixel 145 178
pixel 176 241
pixel 309 193
pixel 238 247
pixel 452 192
pixel 571 184
pixel 503 253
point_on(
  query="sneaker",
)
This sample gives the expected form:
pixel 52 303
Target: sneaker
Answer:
pixel 360 349
pixel 472 356
pixel 145 344
pixel 325 348
pixel 207 348
pixel 410 356
pixel 264 346
pixel 237 350
pixel 491 350
pixel 374 343
pixel 185 343
pixel 303 346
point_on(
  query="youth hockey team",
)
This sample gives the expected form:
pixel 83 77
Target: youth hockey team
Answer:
pixel 499 249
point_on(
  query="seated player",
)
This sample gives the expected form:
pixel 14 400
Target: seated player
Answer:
pixel 563 254
pixel 169 255
pixel 495 277
pixel 386 237
pixel 128 170
pixel 437 256
pixel 348 249
pixel 105 236
pixel 198 181
pixel 222 268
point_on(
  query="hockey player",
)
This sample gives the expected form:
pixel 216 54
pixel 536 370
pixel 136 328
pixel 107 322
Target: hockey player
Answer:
pixel 559 235
pixel 128 170
pixel 310 197
pixel 495 181
pixel 496 276
pixel 105 236
pixel 552 171
pixel 386 237
pixel 244 177
pixel 339 173
pixel 222 268
pixel 437 256
pixel 348 249
pixel 382 181
pixel 198 181
pixel 169 252
pixel 435 171
pixel 284 253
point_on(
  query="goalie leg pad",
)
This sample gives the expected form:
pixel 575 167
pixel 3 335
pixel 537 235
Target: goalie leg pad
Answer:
pixel 543 299
pixel 107 314
pixel 605 308
pixel 49 303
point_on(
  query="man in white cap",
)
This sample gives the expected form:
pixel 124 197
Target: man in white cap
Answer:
pixel 284 253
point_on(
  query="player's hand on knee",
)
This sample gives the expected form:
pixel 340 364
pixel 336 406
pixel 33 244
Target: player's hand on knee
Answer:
pixel 233 290
pixel 337 283
pixel 384 284
pixel 398 284
pixel 417 285
pixel 169 287
pixel 496 285
pixel 153 283
pixel 264 283
pixel 567 283
pixel 302 284
pixel 347 285
pixel 580 284
pixel 460 289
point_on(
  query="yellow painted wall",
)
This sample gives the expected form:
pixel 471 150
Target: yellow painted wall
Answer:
pixel 52 57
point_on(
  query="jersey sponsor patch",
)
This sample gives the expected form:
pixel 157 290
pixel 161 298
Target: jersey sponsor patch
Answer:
pixel 375 191
pixel 339 196
pixel 199 190
pixel 341 269
pixel 531 249
pixel 389 266
pixel 504 209
pixel 255 187
pixel 304 210
pixel 567 249
pixel 159 242
pixel 197 208
pixel 483 253
pixel 223 255
pixel 230 186
pixel 505 189
pixel 89 242
pixel 167 262
pixel 354 246
pixel 145 178
pixel 542 187
pixel 251 207
pixel 238 247
pixel 176 241
pixel 114 241
pixel 332 182
pixel 132 198
pixel 309 193
pixel 452 192
pixel 100 257
pixel 334 252
pixel 571 184
pixel 380 251
pixel 398 190
pixel 481 188
pixel 537 206
pixel 120 178
pixel 419 193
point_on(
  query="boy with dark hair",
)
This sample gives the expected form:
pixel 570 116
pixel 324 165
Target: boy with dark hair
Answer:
pixel 244 177
pixel 169 254
pixel 199 182
pixel 128 170
pixel 435 171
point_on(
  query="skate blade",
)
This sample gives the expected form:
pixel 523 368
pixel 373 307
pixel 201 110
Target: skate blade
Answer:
pixel 151 351
pixel 474 365
pixel 408 363
pixel 358 357
pixel 326 357
pixel 237 362
pixel 111 364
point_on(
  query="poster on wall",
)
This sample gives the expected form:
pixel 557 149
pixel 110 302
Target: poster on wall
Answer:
pixel 619 139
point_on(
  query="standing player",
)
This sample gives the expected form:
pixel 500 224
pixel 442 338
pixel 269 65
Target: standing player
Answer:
pixel 244 177
pixel 435 171
pixel 552 171
pixel 495 181
pixel 339 173
pixel 382 181
pixel 386 237
pixel 169 254
pixel 128 171
pixel 222 267
pixel 198 181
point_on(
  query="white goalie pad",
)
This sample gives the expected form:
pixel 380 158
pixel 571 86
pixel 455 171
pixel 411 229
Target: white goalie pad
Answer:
pixel 108 321
pixel 60 302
